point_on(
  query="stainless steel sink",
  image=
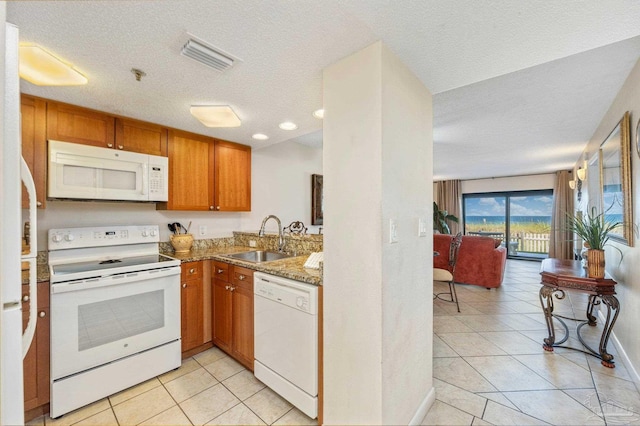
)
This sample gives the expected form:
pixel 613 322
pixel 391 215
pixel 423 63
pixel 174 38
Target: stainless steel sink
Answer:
pixel 257 256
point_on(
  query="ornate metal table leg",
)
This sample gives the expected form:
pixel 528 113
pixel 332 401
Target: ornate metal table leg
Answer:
pixel 590 317
pixel 611 303
pixel 546 294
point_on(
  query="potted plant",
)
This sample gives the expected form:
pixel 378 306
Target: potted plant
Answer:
pixel 594 230
pixel 440 218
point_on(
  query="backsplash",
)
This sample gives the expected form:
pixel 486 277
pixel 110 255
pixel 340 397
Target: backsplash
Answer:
pixel 293 244
pixel 204 244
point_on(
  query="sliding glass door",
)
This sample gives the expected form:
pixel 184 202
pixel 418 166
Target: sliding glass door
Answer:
pixel 521 221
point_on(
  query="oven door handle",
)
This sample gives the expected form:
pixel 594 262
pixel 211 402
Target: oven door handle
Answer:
pixel 111 280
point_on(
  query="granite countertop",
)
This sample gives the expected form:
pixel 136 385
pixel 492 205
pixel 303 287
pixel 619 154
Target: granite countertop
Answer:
pixel 291 267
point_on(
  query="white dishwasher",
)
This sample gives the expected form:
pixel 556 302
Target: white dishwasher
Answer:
pixel 286 339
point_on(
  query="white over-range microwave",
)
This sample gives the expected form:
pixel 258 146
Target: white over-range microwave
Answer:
pixel 85 172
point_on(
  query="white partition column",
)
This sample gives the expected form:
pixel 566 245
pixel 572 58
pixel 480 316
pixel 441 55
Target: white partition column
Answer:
pixel 378 312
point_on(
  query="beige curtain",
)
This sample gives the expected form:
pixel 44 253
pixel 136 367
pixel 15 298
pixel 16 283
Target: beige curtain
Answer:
pixel 561 240
pixel 448 196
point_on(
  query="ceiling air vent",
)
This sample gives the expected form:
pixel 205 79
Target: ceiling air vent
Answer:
pixel 207 55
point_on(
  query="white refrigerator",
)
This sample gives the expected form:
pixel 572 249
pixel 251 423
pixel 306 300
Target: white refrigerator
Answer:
pixel 13 170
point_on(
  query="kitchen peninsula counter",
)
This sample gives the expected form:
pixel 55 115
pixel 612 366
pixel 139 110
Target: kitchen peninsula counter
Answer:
pixel 291 267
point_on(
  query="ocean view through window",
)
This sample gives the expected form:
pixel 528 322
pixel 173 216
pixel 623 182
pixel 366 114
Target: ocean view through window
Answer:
pixel 523 216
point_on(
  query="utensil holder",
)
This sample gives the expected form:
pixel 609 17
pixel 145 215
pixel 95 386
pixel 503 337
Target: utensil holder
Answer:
pixel 181 242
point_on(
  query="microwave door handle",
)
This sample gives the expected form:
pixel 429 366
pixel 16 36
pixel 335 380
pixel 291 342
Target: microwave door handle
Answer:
pixel 145 179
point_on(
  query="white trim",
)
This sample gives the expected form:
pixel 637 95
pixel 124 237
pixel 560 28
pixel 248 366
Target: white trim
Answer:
pixel 424 407
pixel 623 354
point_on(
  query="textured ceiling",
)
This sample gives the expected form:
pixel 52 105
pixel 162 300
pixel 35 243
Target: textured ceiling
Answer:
pixel 528 78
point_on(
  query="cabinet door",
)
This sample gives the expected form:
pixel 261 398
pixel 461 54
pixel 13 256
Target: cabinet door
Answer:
pixel 191 305
pixel 242 321
pixel 138 136
pixel 221 316
pixel 36 363
pixel 34 145
pixel 232 176
pixel 190 171
pixel 68 123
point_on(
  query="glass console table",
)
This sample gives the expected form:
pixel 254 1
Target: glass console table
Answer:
pixel 558 276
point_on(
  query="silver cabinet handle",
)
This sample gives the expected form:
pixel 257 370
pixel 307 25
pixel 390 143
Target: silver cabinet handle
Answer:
pixel 220 271
pixel 217 207
pixel 184 285
pixel 241 277
pixel 120 147
pixel 192 270
pixel 233 288
pixel 25 298
pixel 42 314
pixel 39 203
pixel 226 287
pixel 210 207
pixel 110 145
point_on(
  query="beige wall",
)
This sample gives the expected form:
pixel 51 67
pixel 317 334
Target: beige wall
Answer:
pixel 627 271
pixel 378 296
pixel 512 183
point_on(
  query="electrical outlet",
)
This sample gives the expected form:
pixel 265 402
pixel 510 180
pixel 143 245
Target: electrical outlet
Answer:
pixel 202 230
pixel 393 231
pixel 252 243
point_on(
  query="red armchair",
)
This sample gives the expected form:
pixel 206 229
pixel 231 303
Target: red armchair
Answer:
pixel 480 262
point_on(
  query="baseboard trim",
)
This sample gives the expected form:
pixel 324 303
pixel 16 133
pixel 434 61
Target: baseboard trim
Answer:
pixel 622 354
pixel 424 407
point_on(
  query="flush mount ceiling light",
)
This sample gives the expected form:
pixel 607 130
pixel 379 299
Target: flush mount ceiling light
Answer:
pixel 288 125
pixel 208 55
pixel 260 137
pixel 319 113
pixel 42 68
pixel 215 115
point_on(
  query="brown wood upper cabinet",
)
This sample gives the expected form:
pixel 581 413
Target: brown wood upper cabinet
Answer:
pixel 232 182
pixel 207 174
pixel 68 123
pixel 34 145
pixel 138 136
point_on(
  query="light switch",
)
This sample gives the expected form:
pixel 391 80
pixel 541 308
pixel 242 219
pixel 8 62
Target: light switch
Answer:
pixel 202 230
pixel 393 231
pixel 422 227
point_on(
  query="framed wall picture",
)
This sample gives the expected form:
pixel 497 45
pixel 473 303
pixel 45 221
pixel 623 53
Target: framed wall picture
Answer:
pixel 316 199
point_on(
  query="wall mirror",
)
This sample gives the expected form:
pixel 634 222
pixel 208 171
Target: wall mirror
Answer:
pixel 316 199
pixel 615 180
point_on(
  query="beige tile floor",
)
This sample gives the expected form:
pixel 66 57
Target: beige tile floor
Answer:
pixel 488 363
pixel 209 388
pixel 489 366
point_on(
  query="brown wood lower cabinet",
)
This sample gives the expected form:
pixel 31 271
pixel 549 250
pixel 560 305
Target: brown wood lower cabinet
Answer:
pixel 191 299
pixel 36 362
pixel 232 317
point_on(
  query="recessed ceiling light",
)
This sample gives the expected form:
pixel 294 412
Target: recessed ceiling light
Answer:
pixel 288 125
pixel 215 115
pixel 42 68
pixel 319 113
pixel 260 137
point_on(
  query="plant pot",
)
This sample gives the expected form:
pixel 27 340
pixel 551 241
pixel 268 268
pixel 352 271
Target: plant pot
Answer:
pixel 181 242
pixel 595 263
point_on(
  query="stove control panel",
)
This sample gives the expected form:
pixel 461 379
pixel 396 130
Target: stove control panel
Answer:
pixel 68 238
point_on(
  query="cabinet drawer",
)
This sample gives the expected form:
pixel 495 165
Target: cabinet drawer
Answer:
pixel 191 271
pixel 242 277
pixel 220 271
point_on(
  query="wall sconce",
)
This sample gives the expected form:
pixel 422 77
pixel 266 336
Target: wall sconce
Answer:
pixel 581 173
pixel 572 184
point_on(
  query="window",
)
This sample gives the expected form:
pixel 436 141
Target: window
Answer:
pixel 525 216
